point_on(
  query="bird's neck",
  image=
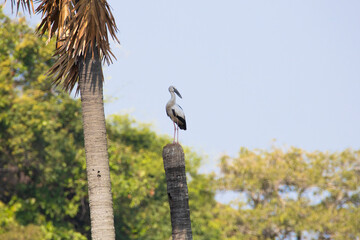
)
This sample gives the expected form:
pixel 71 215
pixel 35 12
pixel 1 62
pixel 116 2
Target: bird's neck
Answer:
pixel 172 99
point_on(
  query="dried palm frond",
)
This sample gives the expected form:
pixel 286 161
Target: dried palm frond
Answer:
pixel 55 17
pixel 79 26
pixel 25 4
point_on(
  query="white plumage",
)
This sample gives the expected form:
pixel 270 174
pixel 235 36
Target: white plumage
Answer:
pixel 175 112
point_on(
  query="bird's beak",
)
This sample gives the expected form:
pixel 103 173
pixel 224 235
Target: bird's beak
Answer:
pixel 177 92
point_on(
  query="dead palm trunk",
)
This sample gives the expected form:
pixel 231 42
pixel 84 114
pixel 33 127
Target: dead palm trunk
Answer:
pixel 174 165
pixel 97 161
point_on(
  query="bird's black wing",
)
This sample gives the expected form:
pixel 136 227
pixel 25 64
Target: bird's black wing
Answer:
pixel 181 120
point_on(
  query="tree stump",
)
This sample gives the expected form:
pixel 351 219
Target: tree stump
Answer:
pixel 174 165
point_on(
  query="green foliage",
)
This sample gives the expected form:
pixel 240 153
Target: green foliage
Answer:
pixel 10 228
pixel 139 184
pixel 41 155
pixel 138 181
pixel 294 193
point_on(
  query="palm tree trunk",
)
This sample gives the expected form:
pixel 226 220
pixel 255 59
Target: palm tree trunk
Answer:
pixel 174 165
pixel 97 160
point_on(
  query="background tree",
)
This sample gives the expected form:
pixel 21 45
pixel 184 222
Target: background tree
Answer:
pixel 294 193
pixel 139 185
pixel 41 142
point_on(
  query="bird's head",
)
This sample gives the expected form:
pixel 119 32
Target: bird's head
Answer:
pixel 173 89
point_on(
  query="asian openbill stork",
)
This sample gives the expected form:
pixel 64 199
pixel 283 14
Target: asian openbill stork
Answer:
pixel 175 112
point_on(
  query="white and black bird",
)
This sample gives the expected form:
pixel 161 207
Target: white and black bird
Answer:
pixel 175 112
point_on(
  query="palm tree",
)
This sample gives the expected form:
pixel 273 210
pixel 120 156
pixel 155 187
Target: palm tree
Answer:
pixel 81 28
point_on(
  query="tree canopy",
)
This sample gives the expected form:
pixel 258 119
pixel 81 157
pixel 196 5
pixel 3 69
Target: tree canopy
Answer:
pixel 295 193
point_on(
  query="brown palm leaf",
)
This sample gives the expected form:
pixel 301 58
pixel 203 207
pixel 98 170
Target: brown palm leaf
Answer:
pixel 25 5
pixel 55 16
pixel 80 28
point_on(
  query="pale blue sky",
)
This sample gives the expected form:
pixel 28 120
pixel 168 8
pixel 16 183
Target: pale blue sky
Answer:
pixel 248 71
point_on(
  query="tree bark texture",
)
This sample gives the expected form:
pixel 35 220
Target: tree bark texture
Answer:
pixel 97 160
pixel 174 164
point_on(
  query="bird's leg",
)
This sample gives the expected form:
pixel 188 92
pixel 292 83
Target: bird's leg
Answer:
pixel 178 134
pixel 174 132
pixel 177 128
